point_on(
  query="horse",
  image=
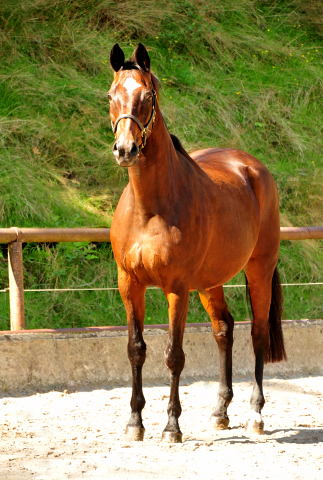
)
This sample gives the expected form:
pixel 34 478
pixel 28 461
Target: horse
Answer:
pixel 184 223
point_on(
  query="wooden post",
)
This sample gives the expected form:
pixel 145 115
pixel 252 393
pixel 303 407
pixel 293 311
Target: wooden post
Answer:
pixel 16 286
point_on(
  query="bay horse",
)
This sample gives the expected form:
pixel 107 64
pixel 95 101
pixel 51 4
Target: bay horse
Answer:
pixel 190 222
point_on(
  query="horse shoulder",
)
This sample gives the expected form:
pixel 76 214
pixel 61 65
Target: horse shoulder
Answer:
pixel 145 250
pixel 121 228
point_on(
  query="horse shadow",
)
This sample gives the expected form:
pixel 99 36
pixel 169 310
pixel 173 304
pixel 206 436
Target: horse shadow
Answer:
pixel 298 436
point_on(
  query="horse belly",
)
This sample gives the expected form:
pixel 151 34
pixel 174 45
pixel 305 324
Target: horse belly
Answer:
pixel 215 272
pixel 228 254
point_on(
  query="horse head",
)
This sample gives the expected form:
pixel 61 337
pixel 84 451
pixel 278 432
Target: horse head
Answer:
pixel 132 97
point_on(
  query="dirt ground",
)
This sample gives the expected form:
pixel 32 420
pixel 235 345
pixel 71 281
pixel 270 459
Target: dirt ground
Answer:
pixel 80 434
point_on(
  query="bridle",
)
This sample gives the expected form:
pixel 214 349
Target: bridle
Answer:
pixel 143 129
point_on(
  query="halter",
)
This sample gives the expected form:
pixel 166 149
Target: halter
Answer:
pixel 143 129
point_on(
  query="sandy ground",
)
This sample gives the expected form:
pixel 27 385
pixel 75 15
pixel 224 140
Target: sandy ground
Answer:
pixel 80 435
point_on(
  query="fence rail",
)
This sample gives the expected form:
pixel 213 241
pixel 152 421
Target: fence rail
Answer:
pixel 15 237
pixel 39 235
pixel 42 235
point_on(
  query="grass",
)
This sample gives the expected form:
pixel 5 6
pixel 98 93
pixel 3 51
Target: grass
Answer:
pixel 245 74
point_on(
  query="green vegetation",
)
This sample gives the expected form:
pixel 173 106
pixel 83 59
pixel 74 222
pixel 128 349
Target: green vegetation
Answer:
pixel 245 74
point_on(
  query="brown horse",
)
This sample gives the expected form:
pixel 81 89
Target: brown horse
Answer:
pixel 190 223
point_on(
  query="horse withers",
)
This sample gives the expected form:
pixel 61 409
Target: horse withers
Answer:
pixel 190 222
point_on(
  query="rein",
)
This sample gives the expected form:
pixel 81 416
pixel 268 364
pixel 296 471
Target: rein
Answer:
pixel 143 129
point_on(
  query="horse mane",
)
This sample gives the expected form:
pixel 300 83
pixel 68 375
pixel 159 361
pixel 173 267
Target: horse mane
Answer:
pixel 131 64
pixel 179 147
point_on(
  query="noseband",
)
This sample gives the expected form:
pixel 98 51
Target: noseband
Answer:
pixel 143 129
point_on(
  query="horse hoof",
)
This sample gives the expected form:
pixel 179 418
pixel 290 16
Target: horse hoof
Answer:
pixel 255 427
pixel 255 424
pixel 219 423
pixel 172 437
pixel 135 433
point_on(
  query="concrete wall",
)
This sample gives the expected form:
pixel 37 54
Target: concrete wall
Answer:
pixel 48 360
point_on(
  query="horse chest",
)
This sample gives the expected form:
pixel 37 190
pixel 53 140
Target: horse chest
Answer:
pixel 152 252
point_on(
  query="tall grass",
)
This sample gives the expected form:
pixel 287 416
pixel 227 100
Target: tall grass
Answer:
pixel 245 74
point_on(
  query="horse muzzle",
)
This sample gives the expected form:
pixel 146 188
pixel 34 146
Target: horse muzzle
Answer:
pixel 126 155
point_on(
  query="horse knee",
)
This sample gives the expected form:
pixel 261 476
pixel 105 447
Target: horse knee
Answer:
pixel 174 360
pixel 223 332
pixel 137 352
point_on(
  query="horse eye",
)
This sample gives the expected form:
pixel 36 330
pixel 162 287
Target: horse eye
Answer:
pixel 109 96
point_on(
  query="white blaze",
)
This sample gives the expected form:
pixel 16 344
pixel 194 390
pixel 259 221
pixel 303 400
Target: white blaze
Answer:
pixel 130 85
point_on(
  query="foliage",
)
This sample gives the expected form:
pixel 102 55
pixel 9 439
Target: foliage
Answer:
pixel 244 74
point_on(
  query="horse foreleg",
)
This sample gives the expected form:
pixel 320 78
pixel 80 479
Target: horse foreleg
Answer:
pixel 133 296
pixel 222 324
pixel 175 360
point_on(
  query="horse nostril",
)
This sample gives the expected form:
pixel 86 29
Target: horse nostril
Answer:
pixel 135 150
pixel 115 146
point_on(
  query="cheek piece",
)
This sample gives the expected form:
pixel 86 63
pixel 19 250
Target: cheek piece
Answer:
pixel 143 129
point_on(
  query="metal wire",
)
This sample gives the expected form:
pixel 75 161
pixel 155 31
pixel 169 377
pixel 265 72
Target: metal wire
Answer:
pixel 149 288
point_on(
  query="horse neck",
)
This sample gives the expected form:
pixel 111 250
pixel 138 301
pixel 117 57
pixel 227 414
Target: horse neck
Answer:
pixel 152 178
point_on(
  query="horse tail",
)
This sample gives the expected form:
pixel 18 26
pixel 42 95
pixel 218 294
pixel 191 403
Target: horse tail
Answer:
pixel 276 352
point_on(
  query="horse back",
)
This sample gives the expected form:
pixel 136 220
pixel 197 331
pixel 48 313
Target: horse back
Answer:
pixel 227 166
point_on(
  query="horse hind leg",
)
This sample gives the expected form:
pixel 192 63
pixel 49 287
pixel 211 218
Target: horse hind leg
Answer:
pixel 266 302
pixel 222 324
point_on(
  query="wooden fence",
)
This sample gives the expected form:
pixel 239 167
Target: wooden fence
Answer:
pixel 15 237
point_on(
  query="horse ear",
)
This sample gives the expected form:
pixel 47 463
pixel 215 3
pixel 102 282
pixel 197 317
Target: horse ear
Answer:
pixel 116 58
pixel 142 57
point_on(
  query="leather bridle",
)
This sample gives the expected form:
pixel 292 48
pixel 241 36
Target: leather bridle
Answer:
pixel 143 129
